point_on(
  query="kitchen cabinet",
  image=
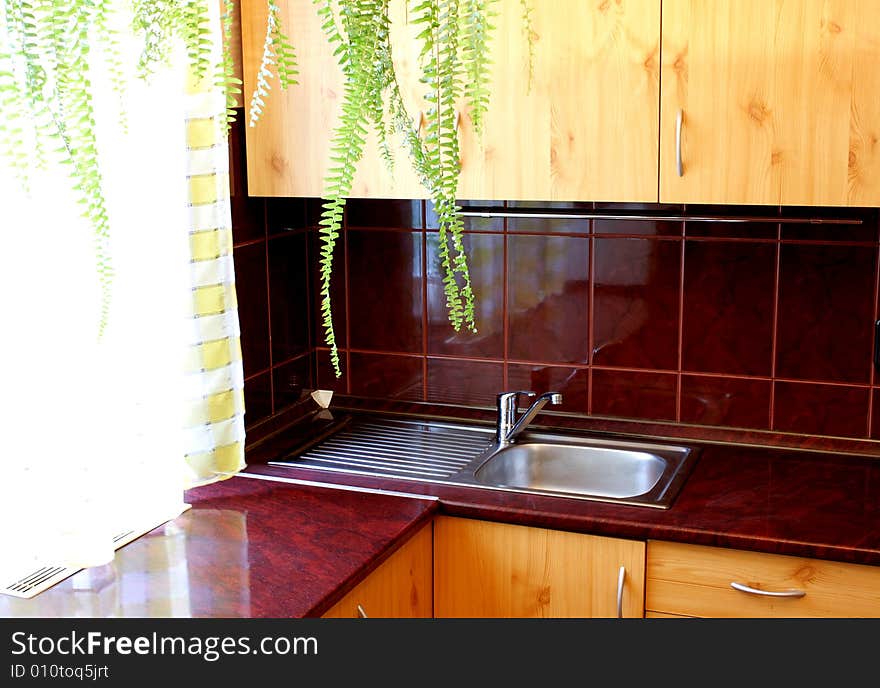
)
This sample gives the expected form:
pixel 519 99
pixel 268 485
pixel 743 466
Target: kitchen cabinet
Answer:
pixel 777 102
pixel 401 587
pixel 696 580
pixel 486 569
pixel 583 127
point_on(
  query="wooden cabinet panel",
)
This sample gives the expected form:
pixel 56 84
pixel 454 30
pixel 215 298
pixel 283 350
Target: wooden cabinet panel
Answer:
pixel 484 569
pixel 778 101
pixel 401 587
pixel 587 129
pixel 695 580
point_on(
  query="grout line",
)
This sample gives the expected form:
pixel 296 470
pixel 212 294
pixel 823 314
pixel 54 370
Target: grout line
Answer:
pixel 346 284
pixel 775 327
pixel 591 315
pixel 873 375
pixel 678 378
pixel 424 307
pixel 265 205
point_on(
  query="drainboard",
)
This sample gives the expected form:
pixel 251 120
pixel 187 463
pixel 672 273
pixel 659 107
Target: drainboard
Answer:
pixel 397 449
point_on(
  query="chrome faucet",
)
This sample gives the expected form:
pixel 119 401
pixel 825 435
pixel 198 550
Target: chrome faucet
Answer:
pixel 508 427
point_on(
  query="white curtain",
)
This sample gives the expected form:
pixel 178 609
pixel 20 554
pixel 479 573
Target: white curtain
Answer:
pixel 102 435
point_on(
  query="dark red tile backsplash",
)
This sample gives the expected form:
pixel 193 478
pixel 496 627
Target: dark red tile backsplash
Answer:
pixel 765 324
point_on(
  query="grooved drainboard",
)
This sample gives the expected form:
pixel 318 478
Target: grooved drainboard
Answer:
pixel 393 448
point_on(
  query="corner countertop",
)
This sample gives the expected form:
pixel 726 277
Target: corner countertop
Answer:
pixel 246 548
pixel 799 502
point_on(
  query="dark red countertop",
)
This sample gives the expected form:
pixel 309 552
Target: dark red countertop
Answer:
pixel 789 501
pixel 247 548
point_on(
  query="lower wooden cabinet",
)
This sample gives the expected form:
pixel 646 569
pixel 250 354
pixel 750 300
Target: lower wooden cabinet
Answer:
pixel 485 569
pixel 695 580
pixel 401 587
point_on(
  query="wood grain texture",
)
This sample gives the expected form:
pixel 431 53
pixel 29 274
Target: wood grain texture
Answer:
pixel 694 580
pixel 484 569
pixel 401 587
pixel 587 127
pixel 585 130
pixel 778 99
pixel 288 149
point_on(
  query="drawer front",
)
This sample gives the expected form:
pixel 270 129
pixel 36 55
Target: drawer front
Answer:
pixel 695 580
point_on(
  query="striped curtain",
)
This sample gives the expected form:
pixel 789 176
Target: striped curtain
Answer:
pixel 214 375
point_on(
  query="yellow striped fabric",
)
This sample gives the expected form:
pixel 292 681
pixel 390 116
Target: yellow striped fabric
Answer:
pixel 214 376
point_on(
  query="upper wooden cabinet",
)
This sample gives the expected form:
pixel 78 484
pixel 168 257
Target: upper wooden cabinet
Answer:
pixel 585 129
pixel 778 101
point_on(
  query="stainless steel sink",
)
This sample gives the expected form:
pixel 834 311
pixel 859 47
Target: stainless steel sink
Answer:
pixel 628 472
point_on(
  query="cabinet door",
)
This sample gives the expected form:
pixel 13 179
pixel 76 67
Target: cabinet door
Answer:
pixel 778 102
pixel 288 150
pixel 400 588
pixel 484 569
pixel 587 127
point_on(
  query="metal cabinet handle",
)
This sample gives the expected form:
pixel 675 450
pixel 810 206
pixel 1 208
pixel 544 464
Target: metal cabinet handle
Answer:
pixel 679 165
pixel 621 577
pixel 767 593
pixel 361 613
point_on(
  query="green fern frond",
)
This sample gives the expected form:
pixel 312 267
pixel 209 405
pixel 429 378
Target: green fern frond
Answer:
pixel 475 31
pixel 529 32
pixel 277 51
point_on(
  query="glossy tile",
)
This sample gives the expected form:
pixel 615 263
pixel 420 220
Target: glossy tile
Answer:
pixel 292 381
pixel 728 307
pixel 257 399
pixel 467 383
pixel 821 409
pixel 248 214
pixel 383 375
pixel 636 302
pixel 548 294
pixel 285 215
pixel 573 383
pixel 552 225
pixel 732 230
pixel 253 312
pixel 385 290
pixel 634 394
pixel 724 401
pixel 826 305
pixel 486 266
pixel 389 214
pixel 638 227
pixel 289 296
pixel 471 224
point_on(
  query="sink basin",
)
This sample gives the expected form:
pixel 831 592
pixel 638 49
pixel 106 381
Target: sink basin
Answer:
pixel 541 463
pixel 632 472
pixel 599 471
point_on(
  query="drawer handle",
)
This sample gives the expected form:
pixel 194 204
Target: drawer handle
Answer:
pixel 361 613
pixel 767 593
pixel 621 576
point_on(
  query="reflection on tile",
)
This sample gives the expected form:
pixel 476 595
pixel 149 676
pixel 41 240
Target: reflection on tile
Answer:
pixel 821 409
pixel 385 290
pixel 728 307
pixel 826 305
pixel 572 383
pixel 830 233
pixel 326 377
pixel 485 254
pixel 732 230
pixel 381 375
pixel 391 214
pixel 337 290
pixel 289 296
pixel 468 383
pixel 635 302
pixel 639 227
pixel 634 394
pixel 548 295
pixel 724 401
pixel 471 224
pixel 552 225
pixel 875 413
pixel 285 215
pixel 257 399
pixel 250 288
pixel 292 381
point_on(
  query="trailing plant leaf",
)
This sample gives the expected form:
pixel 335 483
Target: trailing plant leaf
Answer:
pixel 226 79
pixel 278 51
pixel 529 32
pixel 475 30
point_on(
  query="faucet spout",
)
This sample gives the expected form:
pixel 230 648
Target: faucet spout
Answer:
pixel 508 427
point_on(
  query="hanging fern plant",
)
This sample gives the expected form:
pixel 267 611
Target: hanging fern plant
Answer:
pixel 46 100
